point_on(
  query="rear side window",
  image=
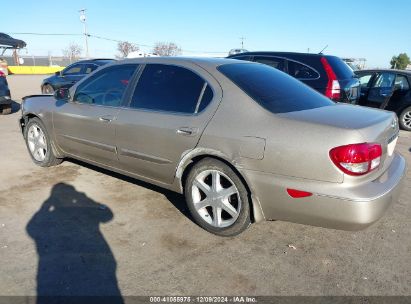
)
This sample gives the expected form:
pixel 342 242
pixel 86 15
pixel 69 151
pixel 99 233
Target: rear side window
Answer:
pixel 275 91
pixel 301 71
pixel 90 68
pixel 274 62
pixel 171 89
pixel 401 83
pixel 340 68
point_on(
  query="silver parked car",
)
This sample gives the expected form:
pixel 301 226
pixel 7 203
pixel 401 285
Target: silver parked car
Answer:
pixel 243 141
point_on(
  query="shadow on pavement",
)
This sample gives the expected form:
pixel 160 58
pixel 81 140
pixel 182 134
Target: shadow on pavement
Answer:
pixel 176 199
pixel 74 257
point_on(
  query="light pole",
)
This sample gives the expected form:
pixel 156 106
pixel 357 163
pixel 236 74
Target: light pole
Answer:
pixel 242 42
pixel 83 19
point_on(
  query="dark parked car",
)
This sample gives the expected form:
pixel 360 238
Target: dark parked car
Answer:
pixel 388 90
pixel 71 74
pixel 242 141
pixel 329 75
pixel 5 101
pixel 10 42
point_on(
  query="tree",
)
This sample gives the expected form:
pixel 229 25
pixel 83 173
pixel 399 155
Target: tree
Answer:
pixel 72 51
pixel 166 49
pixel 400 62
pixel 124 48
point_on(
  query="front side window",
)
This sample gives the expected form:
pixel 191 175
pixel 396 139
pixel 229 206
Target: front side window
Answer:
pixel 171 89
pixel 275 91
pixel 301 71
pixel 73 70
pixel 274 62
pixel 107 87
pixel 384 80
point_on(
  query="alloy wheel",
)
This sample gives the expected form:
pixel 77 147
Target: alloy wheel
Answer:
pixel 216 199
pixel 406 119
pixel 37 143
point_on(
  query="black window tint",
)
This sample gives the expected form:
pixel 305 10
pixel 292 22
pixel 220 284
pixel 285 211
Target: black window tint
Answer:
pixel 168 88
pixel 340 68
pixel 272 89
pixel 73 70
pixel 106 87
pixel 274 62
pixel 301 71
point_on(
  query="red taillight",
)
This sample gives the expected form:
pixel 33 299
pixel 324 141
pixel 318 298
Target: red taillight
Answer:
pixel 333 90
pixel 298 193
pixel 357 159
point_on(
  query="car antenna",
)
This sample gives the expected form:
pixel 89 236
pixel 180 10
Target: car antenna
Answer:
pixel 323 49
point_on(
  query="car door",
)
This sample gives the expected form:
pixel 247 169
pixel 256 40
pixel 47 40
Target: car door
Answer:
pixel 401 95
pixel 168 110
pixel 381 90
pixel 84 125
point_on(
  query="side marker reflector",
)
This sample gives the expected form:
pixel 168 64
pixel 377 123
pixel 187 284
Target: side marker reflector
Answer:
pixel 297 193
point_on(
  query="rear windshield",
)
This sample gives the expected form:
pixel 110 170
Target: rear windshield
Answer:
pixel 340 68
pixel 274 90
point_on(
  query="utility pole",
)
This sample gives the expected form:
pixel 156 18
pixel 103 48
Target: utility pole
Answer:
pixel 242 42
pixel 83 19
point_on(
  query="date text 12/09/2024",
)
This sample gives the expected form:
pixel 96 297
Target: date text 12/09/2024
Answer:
pixel 200 299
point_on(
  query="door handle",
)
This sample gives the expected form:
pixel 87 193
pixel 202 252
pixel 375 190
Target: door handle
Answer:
pixel 187 131
pixel 105 118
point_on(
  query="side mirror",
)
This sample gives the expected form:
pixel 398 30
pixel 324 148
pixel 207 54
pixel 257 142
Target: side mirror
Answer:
pixel 58 73
pixel 62 94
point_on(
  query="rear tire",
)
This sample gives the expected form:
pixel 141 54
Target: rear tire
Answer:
pixel 217 198
pixel 5 109
pixel 38 144
pixel 405 119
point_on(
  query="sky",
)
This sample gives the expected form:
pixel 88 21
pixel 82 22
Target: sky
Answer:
pixel 375 30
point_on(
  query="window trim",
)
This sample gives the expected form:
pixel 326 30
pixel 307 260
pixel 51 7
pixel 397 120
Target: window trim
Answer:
pixel 137 80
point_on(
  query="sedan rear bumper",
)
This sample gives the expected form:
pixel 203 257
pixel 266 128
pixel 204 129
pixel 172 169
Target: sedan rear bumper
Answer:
pixel 332 205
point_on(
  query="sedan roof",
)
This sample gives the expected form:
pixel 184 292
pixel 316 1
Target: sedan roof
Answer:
pixel 201 61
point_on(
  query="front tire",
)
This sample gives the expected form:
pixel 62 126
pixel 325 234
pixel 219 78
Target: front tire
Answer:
pixel 47 89
pixel 217 198
pixel 39 144
pixel 405 119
